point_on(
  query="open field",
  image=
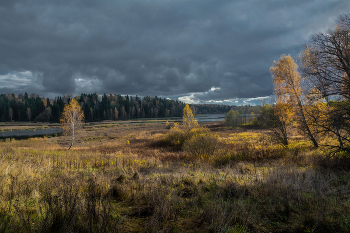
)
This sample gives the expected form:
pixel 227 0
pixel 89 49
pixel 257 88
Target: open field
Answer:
pixel 128 178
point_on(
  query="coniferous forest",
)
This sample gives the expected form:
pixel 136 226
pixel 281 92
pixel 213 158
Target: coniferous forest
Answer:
pixel 106 107
pixel 32 107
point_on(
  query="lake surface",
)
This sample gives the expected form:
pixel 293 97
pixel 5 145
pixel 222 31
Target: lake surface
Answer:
pixel 218 117
pixel 210 117
pixel 29 133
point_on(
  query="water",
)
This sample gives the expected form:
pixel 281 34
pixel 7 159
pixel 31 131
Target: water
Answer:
pixel 219 117
pixel 210 117
pixel 199 117
pixel 30 133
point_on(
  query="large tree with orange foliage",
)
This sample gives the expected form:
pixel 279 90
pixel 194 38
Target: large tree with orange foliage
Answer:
pixel 288 90
pixel 72 118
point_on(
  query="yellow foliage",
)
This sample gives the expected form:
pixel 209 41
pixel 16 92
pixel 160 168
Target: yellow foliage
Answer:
pixel 72 118
pixel 167 125
pixel 201 143
pixel 189 121
pixel 192 139
pixel 178 135
pixel 288 91
pixel 284 112
pixel 287 80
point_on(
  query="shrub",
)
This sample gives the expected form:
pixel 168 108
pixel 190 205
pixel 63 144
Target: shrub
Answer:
pixel 167 125
pixel 177 135
pixel 200 143
pixel 197 141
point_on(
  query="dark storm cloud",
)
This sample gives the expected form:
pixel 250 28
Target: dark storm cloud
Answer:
pixel 205 50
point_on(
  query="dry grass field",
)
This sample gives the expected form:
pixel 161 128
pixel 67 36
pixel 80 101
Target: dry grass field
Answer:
pixel 131 178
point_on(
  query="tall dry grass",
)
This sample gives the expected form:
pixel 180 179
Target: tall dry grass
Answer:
pixel 131 181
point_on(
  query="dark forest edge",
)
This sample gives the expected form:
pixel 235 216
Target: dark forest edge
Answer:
pixel 32 107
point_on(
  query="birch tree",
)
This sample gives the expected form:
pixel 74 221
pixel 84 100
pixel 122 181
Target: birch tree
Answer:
pixel 288 90
pixel 188 119
pixel 72 118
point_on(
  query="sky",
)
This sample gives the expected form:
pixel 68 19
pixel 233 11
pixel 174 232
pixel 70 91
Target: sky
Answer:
pixel 197 51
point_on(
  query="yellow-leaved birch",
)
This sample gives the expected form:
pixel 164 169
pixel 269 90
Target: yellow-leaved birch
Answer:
pixel 189 121
pixel 72 118
pixel 288 90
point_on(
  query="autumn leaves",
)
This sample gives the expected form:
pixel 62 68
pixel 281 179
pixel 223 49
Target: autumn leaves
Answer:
pixel 317 99
pixel 72 118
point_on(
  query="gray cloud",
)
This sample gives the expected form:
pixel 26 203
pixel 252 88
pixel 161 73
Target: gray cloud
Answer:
pixel 157 47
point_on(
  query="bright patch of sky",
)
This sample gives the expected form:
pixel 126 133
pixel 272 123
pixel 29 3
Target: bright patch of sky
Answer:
pixel 192 99
pixel 17 80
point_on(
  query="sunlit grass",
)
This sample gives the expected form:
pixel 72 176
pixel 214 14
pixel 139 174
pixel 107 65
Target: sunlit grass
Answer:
pixel 127 178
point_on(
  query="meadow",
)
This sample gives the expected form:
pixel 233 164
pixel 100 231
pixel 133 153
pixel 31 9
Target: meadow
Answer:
pixel 131 178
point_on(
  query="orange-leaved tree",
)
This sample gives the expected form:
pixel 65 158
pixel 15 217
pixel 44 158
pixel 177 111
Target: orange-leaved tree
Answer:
pixel 72 118
pixel 188 119
pixel 285 115
pixel 288 90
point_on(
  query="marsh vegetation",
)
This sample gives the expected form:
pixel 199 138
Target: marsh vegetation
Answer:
pixel 138 178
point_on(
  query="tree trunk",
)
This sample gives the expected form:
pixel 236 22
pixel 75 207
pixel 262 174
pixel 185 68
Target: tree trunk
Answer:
pixel 341 145
pixel 308 131
pixel 310 135
pixel 72 136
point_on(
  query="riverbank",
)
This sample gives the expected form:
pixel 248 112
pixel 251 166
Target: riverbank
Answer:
pixel 28 129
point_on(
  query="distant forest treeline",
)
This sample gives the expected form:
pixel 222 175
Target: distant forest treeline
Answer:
pixel 219 109
pixel 106 107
